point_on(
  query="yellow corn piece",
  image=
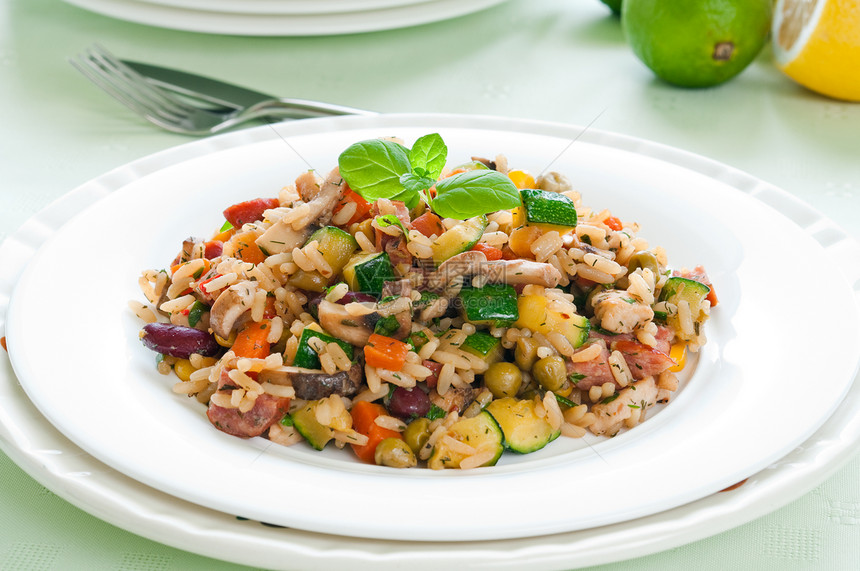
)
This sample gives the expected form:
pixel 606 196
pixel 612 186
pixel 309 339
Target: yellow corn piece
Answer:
pixel 565 389
pixel 678 353
pixel 521 179
pixel 183 369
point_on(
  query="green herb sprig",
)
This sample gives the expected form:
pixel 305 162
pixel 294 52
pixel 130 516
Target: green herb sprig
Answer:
pixel 378 168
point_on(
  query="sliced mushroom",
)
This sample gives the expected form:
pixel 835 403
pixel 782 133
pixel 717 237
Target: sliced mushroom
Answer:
pixel 321 204
pixel 497 271
pixel 522 272
pixel 311 384
pixel 230 306
pixel 282 237
pixel 337 321
pixel 319 385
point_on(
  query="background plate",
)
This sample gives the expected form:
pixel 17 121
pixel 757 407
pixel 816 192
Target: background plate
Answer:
pixel 122 412
pixel 251 24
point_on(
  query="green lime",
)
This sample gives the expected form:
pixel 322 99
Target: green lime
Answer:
pixel 614 5
pixel 696 43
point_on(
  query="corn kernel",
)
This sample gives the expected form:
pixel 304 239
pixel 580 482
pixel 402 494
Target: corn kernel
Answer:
pixel 183 369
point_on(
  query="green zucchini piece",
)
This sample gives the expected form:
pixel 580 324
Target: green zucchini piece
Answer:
pixel 524 430
pixel 480 431
pixel 306 423
pixel 541 207
pixel 494 305
pixel 485 346
pixel 678 289
pixel 307 358
pixel 461 238
pixel 367 273
pixel 336 247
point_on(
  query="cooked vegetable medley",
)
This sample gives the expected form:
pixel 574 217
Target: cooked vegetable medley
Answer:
pixel 423 315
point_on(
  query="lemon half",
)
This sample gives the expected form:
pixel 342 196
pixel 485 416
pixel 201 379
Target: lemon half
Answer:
pixel 817 44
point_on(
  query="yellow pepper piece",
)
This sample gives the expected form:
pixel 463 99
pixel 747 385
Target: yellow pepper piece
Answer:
pixel 678 353
pixel 521 179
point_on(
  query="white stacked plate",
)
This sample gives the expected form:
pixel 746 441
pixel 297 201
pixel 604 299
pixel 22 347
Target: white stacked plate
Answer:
pixel 284 17
pixel 108 435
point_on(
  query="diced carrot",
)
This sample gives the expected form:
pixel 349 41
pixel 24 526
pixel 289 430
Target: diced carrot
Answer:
pixel 712 296
pixel 364 415
pixel 249 211
pixel 3 343
pixel 206 266
pixel 490 252
pixel 613 223
pixel 225 235
pixel 385 352
pixel 245 249
pixel 362 207
pixel 428 224
pixel 251 340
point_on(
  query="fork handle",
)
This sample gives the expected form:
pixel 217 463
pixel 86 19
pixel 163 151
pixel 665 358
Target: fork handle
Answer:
pixel 287 107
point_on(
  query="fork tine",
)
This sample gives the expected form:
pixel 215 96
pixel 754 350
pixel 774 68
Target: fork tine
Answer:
pixel 115 67
pixel 101 80
pixel 132 90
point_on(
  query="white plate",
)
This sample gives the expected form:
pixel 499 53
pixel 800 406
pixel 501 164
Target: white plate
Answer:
pixel 285 7
pixel 58 464
pixel 739 413
pixel 259 24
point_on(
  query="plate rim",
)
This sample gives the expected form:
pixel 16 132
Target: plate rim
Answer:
pixel 783 474
pixel 414 121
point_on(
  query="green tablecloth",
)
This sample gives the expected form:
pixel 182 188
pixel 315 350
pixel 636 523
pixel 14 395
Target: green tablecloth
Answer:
pixel 540 59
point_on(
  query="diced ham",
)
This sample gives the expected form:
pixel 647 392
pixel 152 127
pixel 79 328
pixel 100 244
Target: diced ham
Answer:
pixel 267 410
pixel 587 374
pixel 642 360
pixel 395 246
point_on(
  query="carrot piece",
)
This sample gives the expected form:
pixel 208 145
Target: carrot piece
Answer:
pixel 364 415
pixel 251 340
pixel 385 352
pixel 613 223
pixel 249 211
pixel 3 343
pixel 490 252
pixel 225 235
pixel 246 249
pixel 362 207
pixel 428 224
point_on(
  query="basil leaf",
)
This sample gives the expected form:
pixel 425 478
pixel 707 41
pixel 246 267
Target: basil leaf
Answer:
pixel 373 168
pixel 387 220
pixel 415 182
pixel 428 156
pixel 408 197
pixel 474 193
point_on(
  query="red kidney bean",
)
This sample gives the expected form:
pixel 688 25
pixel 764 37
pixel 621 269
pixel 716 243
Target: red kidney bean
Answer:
pixel 406 403
pixel 178 340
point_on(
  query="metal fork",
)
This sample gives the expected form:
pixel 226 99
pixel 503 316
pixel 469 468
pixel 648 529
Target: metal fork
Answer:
pixel 182 115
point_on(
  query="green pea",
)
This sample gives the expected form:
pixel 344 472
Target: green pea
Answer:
pixel 395 453
pixel 503 379
pixel 643 260
pixel 416 434
pixel 525 353
pixel 550 372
